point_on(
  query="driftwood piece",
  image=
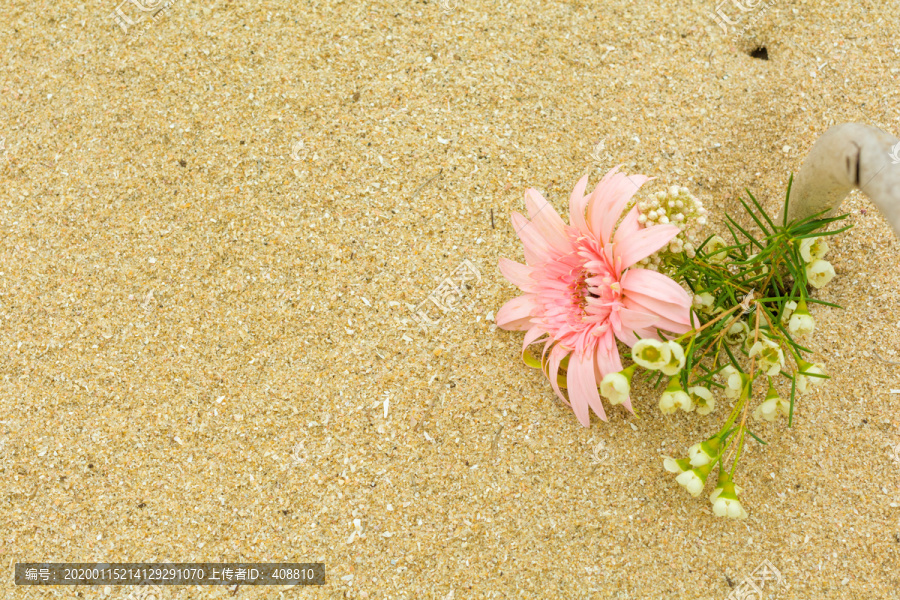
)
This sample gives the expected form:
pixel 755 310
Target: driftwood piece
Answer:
pixel 846 157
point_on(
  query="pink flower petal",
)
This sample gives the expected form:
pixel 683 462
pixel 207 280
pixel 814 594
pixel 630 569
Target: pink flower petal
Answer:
pixel 515 315
pixel 605 208
pixel 672 326
pixel 519 275
pixel 582 387
pixel 652 283
pixel 633 320
pixel 556 355
pixel 629 225
pixel 577 203
pixel 531 337
pixel 547 220
pixel 642 244
pixel 537 250
pixel 644 334
pixel 608 360
pixel 673 312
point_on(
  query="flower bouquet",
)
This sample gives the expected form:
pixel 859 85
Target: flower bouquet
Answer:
pixel 705 318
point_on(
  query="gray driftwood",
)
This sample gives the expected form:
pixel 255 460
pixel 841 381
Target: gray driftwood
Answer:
pixel 846 157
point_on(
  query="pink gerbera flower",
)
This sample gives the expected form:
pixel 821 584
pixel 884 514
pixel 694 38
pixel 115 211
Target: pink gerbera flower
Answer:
pixel 581 290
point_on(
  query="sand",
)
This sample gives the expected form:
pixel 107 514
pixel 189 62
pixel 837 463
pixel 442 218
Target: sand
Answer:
pixel 217 226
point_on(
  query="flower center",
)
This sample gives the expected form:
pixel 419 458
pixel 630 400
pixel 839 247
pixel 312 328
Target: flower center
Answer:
pixel 651 354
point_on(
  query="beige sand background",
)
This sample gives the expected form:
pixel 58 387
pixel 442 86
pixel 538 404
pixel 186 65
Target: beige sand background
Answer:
pixel 214 228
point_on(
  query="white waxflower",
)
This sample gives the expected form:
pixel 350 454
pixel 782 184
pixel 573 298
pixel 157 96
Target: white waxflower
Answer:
pixel 694 480
pixel 704 301
pixel 703 399
pixel 676 361
pixel 651 354
pixel 773 406
pixel 771 356
pixel 715 244
pixel 812 249
pixel 819 273
pixel 616 387
pixel 725 502
pixel 801 322
pixel 768 410
pixel 789 309
pixel 737 333
pixel 804 383
pixel 674 398
pixel 673 465
pixel 734 382
pixel 704 452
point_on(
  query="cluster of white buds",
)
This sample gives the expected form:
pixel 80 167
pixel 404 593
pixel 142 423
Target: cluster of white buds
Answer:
pixel 675 206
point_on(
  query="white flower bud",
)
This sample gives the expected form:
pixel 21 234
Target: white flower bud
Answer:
pixel 768 410
pixel 675 397
pixel 771 356
pixel 801 323
pixel 651 354
pixel 617 386
pixel 676 360
pixel 716 244
pixel 812 249
pixel 729 507
pixel 734 382
pixel 804 383
pixel 819 273
pixel 789 309
pixel 692 482
pixel 673 465
pixel 737 333
pixel 702 397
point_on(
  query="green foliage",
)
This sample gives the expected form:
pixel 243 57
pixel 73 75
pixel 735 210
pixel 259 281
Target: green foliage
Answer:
pixel 750 283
